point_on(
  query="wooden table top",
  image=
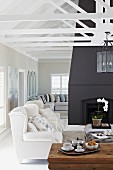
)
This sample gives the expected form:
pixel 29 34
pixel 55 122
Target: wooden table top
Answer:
pixel 104 156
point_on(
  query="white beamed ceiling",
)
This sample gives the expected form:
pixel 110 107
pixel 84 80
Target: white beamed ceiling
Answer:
pixel 48 29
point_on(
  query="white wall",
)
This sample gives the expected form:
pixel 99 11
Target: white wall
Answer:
pixel 48 67
pixel 9 57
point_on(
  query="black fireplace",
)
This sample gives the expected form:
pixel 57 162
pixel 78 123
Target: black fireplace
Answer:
pixel 89 106
pixel 86 86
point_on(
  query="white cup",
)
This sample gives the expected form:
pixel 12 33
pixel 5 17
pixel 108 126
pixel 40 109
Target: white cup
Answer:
pixel 79 147
pixel 67 146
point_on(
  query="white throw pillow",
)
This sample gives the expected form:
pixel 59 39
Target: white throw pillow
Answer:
pixel 48 113
pixel 39 103
pixel 31 127
pixel 32 110
pixel 57 98
pixel 52 97
pixel 43 124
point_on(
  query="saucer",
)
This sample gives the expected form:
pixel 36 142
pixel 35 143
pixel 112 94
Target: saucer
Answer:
pixel 80 150
pixel 64 149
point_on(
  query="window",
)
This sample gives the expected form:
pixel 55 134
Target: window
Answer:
pixel 2 115
pixel 59 83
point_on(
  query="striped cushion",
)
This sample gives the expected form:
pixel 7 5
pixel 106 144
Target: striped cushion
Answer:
pixel 43 98
pixel 47 97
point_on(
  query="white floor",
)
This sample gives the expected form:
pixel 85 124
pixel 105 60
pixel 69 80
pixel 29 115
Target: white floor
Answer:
pixel 8 158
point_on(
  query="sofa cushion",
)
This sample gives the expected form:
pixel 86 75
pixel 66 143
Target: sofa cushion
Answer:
pixel 62 98
pixel 57 98
pixel 47 97
pixel 53 118
pixel 42 124
pixel 39 98
pixel 31 127
pixel 52 97
pixel 32 110
pixel 43 99
pixel 61 104
pixel 49 105
pixel 61 108
pixel 39 103
pixel 49 114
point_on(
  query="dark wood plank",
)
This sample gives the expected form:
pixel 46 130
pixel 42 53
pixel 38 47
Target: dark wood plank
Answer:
pixel 100 160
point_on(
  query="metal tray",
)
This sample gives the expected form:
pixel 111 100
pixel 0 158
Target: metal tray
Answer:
pixel 72 153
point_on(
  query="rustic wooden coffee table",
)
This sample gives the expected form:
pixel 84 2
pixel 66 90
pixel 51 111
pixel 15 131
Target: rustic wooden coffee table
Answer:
pixel 95 161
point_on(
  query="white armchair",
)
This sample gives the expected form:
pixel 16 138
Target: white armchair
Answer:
pixel 30 145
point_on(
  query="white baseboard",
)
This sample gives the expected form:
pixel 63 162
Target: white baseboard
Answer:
pixel 4 133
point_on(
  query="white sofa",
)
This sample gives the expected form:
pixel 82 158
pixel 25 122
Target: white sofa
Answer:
pixel 35 144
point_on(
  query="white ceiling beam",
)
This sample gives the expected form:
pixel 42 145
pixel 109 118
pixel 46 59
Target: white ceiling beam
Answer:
pixel 108 19
pixel 68 24
pixel 99 8
pixel 46 31
pixel 102 27
pixel 53 44
pixel 69 16
pixel 104 4
pixel 81 23
pixel 52 52
pixel 46 39
pixel 35 49
pixel 38 39
pixel 53 57
pixel 47 52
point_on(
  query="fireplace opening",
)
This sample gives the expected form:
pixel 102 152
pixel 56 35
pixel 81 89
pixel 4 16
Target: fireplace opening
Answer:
pixel 93 107
pixel 90 106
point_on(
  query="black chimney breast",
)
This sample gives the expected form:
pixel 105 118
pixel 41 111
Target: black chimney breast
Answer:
pixel 86 83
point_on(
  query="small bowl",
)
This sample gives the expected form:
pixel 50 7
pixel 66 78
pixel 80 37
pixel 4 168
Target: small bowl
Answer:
pixel 91 147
